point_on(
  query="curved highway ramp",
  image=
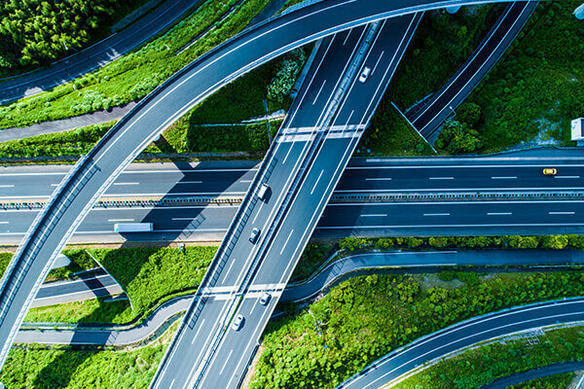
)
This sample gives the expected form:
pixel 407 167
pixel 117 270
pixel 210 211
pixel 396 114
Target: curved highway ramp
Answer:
pixel 93 174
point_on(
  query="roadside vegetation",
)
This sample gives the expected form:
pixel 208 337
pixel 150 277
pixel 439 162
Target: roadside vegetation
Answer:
pixel 138 73
pixel 534 92
pixel 442 43
pixel 148 275
pixel 480 366
pixel 560 381
pixel 37 32
pixel 36 366
pixel 366 317
pixel 528 99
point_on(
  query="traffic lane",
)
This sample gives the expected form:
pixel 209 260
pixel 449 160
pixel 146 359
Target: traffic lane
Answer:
pixel 326 76
pixel 472 67
pixel 41 181
pixel 286 158
pixel 236 348
pixel 449 178
pixel 407 174
pixel 465 334
pixel 452 214
pixel 188 354
pixel 277 265
pixel 382 58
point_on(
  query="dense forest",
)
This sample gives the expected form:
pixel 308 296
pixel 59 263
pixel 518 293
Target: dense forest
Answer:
pixel 34 32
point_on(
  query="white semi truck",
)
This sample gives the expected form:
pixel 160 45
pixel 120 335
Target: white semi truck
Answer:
pixel 133 227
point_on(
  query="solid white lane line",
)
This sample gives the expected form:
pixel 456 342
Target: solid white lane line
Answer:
pixel 172 383
pixel 319 91
pixel 287 239
pixel 226 361
pixel 54 184
pixel 245 181
pixel 120 220
pixel 347 37
pixel 374 215
pixel 567 177
pixel 377 63
pixel 182 219
pixel 499 213
pixel 378 179
pixel 189 182
pixel 441 178
pixel 317 180
pixel 126 183
pixel 504 178
pixel 561 213
pixel 197 333
pixel 436 214
pixel 6 186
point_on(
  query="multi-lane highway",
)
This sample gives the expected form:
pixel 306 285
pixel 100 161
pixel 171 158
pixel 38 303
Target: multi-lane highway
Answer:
pixel 506 173
pixel 95 172
pixel 461 335
pixel 317 127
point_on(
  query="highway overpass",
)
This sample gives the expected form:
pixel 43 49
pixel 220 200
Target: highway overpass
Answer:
pixel 95 172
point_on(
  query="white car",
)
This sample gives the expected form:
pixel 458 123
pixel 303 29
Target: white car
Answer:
pixel 255 233
pixel 364 74
pixel 265 299
pixel 238 322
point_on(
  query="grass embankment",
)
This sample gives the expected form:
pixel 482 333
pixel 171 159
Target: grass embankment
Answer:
pixel 560 381
pixel 148 275
pixel 529 97
pixel 534 92
pixel 483 365
pixel 241 100
pixel 365 317
pixel 136 74
pixel 63 367
pixel 442 43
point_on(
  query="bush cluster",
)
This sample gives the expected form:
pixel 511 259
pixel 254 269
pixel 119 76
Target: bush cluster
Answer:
pixel 366 317
pixel 34 32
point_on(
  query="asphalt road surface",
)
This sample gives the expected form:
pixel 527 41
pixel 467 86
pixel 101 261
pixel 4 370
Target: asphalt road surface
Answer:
pixel 503 173
pixel 95 172
pixel 97 55
pixel 480 329
pixel 226 361
pixel 428 118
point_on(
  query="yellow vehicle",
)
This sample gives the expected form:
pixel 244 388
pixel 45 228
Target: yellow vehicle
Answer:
pixel 550 171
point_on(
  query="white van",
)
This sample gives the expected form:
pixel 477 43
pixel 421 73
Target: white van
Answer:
pixel 263 191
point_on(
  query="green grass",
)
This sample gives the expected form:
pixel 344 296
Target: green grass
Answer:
pixel 4 261
pixel 442 43
pixel 365 317
pixel 71 143
pixel 38 367
pixel 87 311
pixel 136 74
pixel 539 87
pixel 149 275
pixel 560 381
pixel 480 366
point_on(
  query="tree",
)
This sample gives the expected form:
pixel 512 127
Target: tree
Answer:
pixel 457 139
